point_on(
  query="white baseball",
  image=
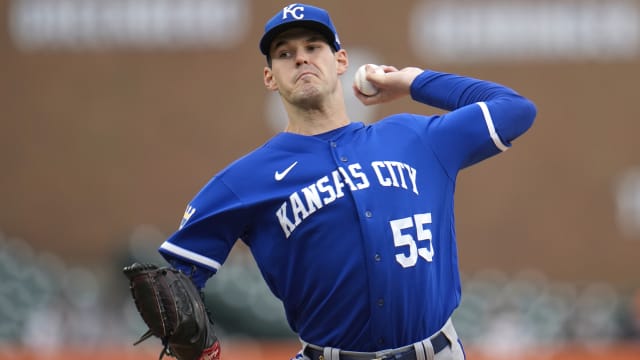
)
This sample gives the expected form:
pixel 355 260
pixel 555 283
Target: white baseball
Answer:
pixel 361 82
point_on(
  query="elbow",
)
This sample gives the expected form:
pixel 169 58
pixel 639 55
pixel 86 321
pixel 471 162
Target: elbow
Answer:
pixel 523 116
pixel 515 117
pixel 529 113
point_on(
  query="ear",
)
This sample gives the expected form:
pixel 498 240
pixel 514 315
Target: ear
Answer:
pixel 342 60
pixel 269 81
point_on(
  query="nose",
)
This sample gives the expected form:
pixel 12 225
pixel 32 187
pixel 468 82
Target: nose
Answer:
pixel 301 58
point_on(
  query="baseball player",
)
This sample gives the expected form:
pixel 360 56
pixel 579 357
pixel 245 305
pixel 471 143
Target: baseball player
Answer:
pixel 352 225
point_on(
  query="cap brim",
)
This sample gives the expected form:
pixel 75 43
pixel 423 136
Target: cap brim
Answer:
pixel 265 42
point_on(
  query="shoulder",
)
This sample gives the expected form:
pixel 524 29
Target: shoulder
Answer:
pixel 228 185
pixel 251 162
pixel 404 122
pixel 257 168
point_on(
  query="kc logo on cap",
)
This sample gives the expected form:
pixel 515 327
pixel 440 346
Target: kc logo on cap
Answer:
pixel 295 10
pixel 299 15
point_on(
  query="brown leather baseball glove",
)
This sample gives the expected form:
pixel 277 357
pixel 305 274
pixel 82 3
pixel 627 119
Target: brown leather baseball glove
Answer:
pixel 173 309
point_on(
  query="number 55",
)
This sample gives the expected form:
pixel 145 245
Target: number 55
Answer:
pixel 422 233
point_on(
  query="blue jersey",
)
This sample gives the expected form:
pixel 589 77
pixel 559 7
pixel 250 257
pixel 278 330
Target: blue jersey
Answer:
pixel 353 229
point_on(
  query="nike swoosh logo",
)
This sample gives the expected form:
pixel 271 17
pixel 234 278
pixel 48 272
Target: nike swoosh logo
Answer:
pixel 280 175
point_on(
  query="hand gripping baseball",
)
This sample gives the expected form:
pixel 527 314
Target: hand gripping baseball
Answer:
pixel 389 83
pixel 173 308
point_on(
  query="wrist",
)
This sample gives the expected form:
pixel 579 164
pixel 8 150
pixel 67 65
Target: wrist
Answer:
pixel 212 352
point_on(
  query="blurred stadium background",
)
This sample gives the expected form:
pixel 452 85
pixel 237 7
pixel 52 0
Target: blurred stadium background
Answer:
pixel 115 112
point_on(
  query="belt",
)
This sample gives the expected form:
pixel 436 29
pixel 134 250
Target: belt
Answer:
pixel 439 342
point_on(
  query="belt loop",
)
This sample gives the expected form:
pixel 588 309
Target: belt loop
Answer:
pixel 420 353
pixel 331 353
pixel 428 349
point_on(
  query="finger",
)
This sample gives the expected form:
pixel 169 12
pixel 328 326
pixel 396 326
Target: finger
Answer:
pixel 388 69
pixel 375 75
pixel 364 99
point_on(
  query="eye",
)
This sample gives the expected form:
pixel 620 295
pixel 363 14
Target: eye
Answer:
pixel 313 46
pixel 284 54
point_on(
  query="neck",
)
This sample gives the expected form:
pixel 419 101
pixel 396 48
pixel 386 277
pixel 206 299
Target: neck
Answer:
pixel 314 122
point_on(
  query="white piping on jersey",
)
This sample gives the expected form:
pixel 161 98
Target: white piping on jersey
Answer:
pixel 190 255
pixel 492 130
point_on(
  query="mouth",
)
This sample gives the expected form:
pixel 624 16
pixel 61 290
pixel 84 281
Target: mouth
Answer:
pixel 305 74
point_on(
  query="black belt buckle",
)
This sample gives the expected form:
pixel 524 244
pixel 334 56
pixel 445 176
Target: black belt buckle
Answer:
pixel 405 355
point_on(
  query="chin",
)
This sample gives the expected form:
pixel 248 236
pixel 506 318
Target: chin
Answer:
pixel 307 97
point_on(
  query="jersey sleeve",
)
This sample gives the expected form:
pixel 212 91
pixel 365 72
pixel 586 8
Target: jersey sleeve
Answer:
pixel 211 224
pixel 483 117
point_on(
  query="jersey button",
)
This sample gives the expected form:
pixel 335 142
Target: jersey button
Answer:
pixel 377 257
pixel 368 214
pixel 380 302
pixel 333 144
pixel 343 158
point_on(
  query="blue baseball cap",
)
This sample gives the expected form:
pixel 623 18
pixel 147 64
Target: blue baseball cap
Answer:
pixel 299 15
